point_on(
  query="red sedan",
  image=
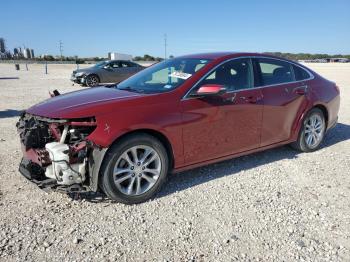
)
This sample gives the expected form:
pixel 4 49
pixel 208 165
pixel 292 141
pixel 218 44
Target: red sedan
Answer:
pixel 175 115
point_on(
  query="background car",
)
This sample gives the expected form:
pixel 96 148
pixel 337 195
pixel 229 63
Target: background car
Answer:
pixel 105 72
pixel 178 114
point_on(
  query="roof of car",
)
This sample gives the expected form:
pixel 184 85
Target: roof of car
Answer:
pixel 118 60
pixel 216 55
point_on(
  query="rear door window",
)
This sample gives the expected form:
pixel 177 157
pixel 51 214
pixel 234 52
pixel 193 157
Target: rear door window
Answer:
pixel 133 64
pixel 125 64
pixel 300 74
pixel 274 71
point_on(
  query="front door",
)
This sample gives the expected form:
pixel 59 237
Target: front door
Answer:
pixel 112 72
pixel 227 124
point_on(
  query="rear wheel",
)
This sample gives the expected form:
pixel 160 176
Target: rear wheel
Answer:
pixel 134 169
pixel 92 80
pixel 312 131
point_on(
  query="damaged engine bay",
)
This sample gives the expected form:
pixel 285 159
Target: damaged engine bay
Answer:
pixel 56 152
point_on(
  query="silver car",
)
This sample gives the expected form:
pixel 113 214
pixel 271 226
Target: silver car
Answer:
pixel 113 71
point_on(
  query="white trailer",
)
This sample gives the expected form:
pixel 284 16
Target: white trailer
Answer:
pixel 119 56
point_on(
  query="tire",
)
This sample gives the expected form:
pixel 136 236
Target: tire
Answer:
pixel 138 179
pixel 92 80
pixel 311 129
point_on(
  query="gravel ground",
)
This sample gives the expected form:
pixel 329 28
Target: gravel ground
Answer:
pixel 278 205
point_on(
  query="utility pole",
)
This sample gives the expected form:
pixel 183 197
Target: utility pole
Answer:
pixel 165 45
pixel 61 49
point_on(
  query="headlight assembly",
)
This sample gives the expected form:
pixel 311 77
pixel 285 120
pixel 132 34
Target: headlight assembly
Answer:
pixel 79 74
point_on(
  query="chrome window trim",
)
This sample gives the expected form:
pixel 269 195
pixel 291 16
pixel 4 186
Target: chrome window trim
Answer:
pixel 311 76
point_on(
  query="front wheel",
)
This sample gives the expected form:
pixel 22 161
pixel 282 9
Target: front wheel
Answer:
pixel 134 169
pixel 92 80
pixel 312 131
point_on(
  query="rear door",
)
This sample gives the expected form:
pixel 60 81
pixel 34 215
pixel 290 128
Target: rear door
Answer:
pixel 127 69
pixel 284 98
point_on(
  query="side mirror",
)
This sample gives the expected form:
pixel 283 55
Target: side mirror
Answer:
pixel 210 90
pixel 106 67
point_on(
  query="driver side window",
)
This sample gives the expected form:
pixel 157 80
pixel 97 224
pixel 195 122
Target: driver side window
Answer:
pixel 234 75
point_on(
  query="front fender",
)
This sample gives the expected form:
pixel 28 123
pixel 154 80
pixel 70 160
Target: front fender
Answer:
pixel 95 162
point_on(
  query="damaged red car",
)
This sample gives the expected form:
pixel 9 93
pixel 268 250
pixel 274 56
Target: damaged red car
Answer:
pixel 179 114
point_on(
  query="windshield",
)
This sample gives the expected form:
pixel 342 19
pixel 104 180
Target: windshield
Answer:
pixel 101 64
pixel 164 76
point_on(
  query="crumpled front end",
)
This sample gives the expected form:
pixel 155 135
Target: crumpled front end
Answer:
pixel 78 77
pixel 57 153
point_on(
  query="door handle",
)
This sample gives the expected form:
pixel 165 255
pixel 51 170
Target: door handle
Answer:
pixel 231 98
pixel 301 90
pixel 250 99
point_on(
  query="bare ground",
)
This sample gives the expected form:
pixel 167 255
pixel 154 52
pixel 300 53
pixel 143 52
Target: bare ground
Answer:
pixel 278 205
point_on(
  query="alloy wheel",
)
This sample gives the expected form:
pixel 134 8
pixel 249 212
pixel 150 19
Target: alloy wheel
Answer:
pixel 92 80
pixel 137 170
pixel 314 130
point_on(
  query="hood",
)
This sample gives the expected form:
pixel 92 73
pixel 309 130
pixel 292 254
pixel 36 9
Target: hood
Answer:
pixel 84 70
pixel 83 103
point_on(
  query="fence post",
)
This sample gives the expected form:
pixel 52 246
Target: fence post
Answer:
pixel 27 66
pixel 46 68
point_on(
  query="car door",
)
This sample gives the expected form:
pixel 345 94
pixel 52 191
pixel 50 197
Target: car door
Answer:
pixel 126 70
pixel 118 74
pixel 227 124
pixel 110 72
pixel 284 98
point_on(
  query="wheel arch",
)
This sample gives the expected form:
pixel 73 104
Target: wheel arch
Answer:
pixel 324 111
pixel 96 176
pixel 94 74
pixel 297 143
pixel 156 134
pixel 298 125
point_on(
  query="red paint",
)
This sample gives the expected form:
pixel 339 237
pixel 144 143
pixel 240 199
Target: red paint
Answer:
pixel 200 130
pixel 74 123
pixel 281 108
pixel 219 126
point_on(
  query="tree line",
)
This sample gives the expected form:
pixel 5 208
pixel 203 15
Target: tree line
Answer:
pixel 306 56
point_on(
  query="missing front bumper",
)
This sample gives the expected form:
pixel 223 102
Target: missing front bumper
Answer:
pixel 78 80
pixel 35 174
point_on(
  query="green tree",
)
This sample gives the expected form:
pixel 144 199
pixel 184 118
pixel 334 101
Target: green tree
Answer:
pixel 49 58
pixel 148 58
pixel 137 58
